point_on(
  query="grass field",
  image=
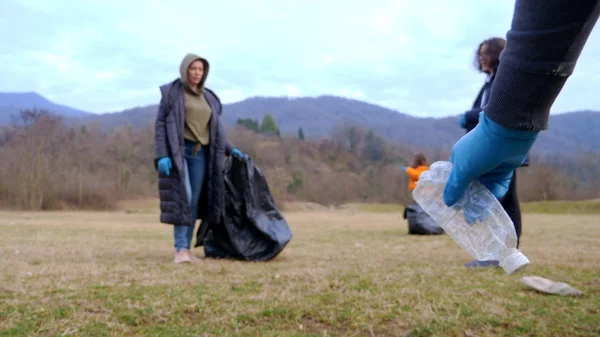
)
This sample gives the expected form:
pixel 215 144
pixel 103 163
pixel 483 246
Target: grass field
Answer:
pixel 345 273
pixel 544 207
pixel 563 207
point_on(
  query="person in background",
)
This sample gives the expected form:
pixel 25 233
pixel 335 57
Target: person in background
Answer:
pixel 190 147
pixel 487 60
pixel 419 166
pixel 543 46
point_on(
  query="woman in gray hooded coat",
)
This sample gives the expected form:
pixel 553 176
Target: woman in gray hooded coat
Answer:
pixel 190 148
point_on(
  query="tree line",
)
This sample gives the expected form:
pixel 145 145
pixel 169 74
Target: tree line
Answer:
pixel 50 164
pixel 268 126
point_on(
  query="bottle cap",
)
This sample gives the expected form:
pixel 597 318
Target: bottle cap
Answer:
pixel 514 262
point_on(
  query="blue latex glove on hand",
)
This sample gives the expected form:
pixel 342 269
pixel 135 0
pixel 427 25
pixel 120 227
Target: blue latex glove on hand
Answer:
pixel 165 165
pixel 462 121
pixel 403 168
pixel 237 153
pixel 489 153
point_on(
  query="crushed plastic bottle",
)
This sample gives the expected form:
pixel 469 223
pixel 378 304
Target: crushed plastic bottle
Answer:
pixel 477 222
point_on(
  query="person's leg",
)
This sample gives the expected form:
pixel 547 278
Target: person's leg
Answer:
pixel 180 231
pixel 180 236
pixel 196 167
pixel 511 205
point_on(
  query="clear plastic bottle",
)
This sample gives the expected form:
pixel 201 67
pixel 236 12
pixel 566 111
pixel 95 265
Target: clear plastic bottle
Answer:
pixel 477 222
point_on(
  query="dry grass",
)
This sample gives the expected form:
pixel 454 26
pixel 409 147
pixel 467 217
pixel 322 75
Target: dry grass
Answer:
pixel 345 273
pixel 563 207
pixel 376 208
pixel 539 207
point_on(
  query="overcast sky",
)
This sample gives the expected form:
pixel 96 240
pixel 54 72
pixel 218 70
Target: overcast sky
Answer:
pixel 412 56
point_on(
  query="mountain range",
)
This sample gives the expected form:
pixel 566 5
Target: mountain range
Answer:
pixel 12 102
pixel 319 116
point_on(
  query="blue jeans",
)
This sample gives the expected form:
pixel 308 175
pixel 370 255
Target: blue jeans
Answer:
pixel 196 168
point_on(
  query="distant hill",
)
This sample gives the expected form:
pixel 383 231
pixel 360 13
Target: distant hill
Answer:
pixel 569 132
pixel 572 132
pixel 319 117
pixel 12 103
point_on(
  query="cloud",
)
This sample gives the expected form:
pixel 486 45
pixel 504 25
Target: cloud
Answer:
pixel 383 19
pixel 291 90
pixel 326 59
pixel 415 57
pixel 232 95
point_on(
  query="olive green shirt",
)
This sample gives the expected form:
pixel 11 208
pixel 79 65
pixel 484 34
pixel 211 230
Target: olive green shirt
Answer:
pixel 197 116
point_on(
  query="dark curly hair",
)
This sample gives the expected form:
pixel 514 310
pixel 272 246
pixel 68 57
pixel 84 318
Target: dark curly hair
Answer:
pixel 419 160
pixel 495 47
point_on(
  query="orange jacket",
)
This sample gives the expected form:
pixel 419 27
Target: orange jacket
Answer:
pixel 413 174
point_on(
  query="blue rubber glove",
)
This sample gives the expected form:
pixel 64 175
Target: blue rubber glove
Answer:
pixel 403 168
pixel 165 165
pixel 489 153
pixel 462 121
pixel 237 153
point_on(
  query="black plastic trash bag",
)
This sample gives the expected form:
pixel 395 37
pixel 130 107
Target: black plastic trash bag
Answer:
pixel 252 228
pixel 419 222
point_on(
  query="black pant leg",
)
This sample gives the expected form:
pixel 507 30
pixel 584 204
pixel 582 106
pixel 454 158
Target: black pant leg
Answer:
pixel 510 203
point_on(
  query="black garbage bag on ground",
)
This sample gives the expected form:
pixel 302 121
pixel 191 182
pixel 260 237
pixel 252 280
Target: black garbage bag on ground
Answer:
pixel 252 228
pixel 419 222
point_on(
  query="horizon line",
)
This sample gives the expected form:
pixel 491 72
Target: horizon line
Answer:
pixel 288 97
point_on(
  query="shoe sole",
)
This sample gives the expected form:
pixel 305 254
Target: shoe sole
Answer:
pixel 182 261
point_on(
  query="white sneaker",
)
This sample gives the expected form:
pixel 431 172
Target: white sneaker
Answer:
pixel 182 256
